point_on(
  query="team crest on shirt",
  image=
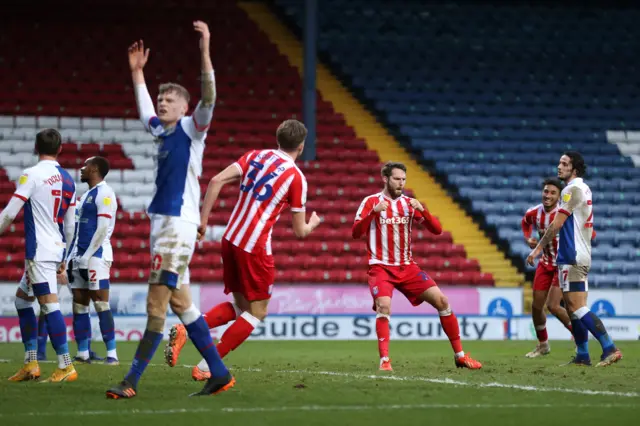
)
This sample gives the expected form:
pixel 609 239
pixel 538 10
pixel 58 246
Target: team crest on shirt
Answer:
pixel 566 197
pixel 374 290
pixel 89 200
pixel 270 289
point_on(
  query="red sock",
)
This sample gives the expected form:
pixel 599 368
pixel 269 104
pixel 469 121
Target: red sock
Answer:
pixel 237 333
pixel 541 333
pixel 382 330
pixel 452 329
pixel 220 315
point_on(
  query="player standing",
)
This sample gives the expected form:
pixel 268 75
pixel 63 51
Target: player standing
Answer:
pixel 269 180
pixel 546 289
pixel 574 223
pixel 47 193
pixel 93 258
pixel 174 214
pixel 386 218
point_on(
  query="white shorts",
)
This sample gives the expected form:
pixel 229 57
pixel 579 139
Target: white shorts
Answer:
pixel 95 277
pixel 573 278
pixel 173 242
pixel 39 278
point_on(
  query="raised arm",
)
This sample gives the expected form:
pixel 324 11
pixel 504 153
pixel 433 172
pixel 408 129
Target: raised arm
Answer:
pixel 204 110
pixel 138 57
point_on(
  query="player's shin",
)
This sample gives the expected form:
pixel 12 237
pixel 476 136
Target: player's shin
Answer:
pixel 237 333
pixel 43 336
pixel 107 328
pixel 198 332
pixel 592 323
pixel 57 333
pixel 222 314
pixel 383 333
pixel 146 348
pixel 81 330
pixel 581 336
pixel 452 329
pixel 540 324
pixel 28 329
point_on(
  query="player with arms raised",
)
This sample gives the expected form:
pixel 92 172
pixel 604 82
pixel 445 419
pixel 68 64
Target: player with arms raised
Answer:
pixel 386 219
pixel 546 289
pixel 269 180
pixel 574 223
pixel 92 264
pixel 174 214
pixel 48 195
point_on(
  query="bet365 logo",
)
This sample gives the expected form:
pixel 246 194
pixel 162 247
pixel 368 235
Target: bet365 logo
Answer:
pixel 396 220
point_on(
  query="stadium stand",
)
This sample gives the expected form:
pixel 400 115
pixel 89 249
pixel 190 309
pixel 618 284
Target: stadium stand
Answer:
pixel 489 96
pixel 85 90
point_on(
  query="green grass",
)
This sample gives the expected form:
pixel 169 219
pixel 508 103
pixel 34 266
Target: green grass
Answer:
pixel 284 381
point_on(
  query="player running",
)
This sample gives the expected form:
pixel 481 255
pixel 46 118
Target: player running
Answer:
pixel 174 214
pixel 47 193
pixel 269 181
pixel 92 260
pixel 386 218
pixel 574 223
pixel 546 289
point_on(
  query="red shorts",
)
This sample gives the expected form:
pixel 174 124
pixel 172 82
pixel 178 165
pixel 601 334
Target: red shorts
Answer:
pixel 410 280
pixel 545 278
pixel 250 274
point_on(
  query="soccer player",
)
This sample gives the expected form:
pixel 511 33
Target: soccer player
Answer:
pixel 574 223
pixel 269 180
pixel 47 193
pixel 93 258
pixel 546 289
pixel 386 218
pixel 174 214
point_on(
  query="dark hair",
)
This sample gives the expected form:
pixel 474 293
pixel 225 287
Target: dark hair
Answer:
pixel 102 164
pixel 387 169
pixel 577 162
pixel 553 181
pixel 290 134
pixel 48 142
pixel 174 88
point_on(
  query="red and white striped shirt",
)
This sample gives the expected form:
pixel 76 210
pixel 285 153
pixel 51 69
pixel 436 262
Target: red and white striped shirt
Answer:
pixel 270 181
pixel 538 217
pixel 389 232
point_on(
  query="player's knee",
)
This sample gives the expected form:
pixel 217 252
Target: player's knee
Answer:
pixel 20 294
pixel 259 312
pixel 79 308
pixel 441 303
pixel 155 309
pixel 179 306
pixel 383 307
pixel 537 305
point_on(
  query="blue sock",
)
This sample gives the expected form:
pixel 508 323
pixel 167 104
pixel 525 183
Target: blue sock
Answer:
pixel 201 338
pixel 57 332
pixel 108 329
pixel 28 328
pixel 596 327
pixel 43 336
pixel 581 336
pixel 82 330
pixel 147 347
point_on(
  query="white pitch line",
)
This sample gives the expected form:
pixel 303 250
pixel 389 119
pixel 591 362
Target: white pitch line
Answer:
pixel 445 381
pixel 311 408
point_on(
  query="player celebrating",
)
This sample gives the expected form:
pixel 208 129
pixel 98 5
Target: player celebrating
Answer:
pixel 574 222
pixel 47 193
pixel 269 180
pixel 386 218
pixel 93 258
pixel 174 214
pixel 545 283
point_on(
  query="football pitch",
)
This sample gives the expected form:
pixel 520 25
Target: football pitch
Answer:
pixel 337 383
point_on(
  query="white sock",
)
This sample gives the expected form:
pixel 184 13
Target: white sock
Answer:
pixel 112 354
pixel 202 365
pixel 64 360
pixel 83 354
pixel 30 356
pixel 459 354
